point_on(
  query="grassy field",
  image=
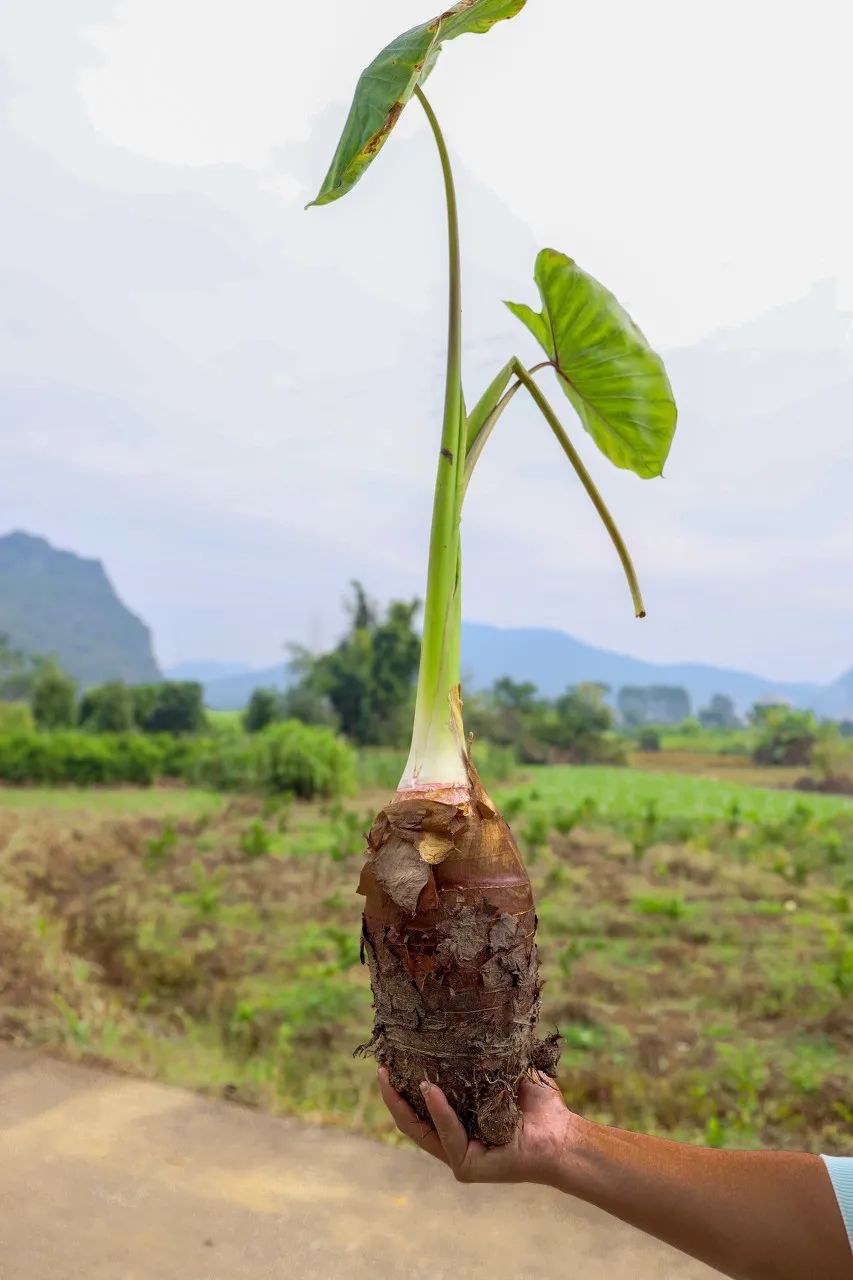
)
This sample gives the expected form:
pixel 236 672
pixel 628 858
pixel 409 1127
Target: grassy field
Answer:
pixel 696 940
pixel 618 793
pixel 125 802
pixel 719 768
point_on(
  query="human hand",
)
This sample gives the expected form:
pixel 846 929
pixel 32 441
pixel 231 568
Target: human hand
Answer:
pixel 542 1141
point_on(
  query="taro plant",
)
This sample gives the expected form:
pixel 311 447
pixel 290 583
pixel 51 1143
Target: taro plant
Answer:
pixel 449 921
pixel 159 848
pixel 256 841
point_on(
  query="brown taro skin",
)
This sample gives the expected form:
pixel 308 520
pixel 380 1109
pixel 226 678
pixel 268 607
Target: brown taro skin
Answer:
pixel 449 933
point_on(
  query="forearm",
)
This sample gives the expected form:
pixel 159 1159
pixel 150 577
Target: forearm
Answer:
pixel 753 1215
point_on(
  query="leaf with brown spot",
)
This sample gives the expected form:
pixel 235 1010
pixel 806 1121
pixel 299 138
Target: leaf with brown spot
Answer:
pixel 388 83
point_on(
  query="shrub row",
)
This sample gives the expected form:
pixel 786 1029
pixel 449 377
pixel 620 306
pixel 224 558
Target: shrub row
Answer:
pixel 290 757
pixel 305 760
pixel 53 759
pixel 16 717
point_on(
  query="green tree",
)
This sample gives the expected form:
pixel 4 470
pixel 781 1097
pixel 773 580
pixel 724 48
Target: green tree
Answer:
pixel 16 717
pixel 632 703
pixel 784 736
pixel 831 757
pixel 54 698
pixel 264 708
pixel 367 680
pixel 304 701
pixel 653 704
pixel 574 726
pixel 396 652
pixel 668 704
pixel 719 714
pixel 581 719
pixel 17 673
pixel 108 708
pixel 173 706
pixel 513 695
pixel 510 715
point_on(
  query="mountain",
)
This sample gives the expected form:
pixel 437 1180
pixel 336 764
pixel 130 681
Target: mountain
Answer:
pixel 224 691
pixel 835 702
pixel 553 660
pixel 56 603
pixel 204 671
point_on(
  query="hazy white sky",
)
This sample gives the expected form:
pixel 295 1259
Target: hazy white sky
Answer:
pixel 235 404
pixel 694 153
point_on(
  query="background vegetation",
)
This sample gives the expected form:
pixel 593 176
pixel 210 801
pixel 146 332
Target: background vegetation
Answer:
pixel 177 886
pixel 696 937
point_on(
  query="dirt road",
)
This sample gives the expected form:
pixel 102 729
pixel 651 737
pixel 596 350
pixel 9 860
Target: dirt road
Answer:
pixel 105 1178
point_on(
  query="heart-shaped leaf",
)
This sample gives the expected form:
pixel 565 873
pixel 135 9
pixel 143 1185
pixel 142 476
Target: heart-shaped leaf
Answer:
pixel 388 83
pixel 614 380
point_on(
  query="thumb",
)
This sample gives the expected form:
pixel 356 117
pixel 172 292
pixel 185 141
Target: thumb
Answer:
pixel 448 1126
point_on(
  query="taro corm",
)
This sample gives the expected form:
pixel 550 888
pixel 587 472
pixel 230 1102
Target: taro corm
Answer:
pixel 449 922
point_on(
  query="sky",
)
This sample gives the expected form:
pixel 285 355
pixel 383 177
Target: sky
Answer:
pixel 235 404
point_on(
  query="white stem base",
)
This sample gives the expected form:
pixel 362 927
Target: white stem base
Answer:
pixel 438 755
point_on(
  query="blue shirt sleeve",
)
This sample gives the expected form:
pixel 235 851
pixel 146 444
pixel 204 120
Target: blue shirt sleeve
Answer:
pixel 840 1169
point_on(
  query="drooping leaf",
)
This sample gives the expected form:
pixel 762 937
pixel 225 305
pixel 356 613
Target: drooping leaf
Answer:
pixel 614 380
pixel 388 83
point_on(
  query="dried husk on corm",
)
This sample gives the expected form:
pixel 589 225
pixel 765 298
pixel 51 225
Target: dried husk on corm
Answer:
pixel 449 934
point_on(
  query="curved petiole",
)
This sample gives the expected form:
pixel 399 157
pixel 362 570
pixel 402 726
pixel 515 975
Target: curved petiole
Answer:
pixel 486 412
pixel 478 442
pixel 486 405
pixel 524 379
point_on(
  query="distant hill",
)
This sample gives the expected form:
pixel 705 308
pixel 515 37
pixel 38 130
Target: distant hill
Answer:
pixel 553 660
pixel 204 672
pixel 53 602
pixel 835 701
pixel 228 686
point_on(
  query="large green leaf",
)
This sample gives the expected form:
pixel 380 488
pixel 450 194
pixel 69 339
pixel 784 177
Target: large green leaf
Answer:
pixel 389 82
pixel 617 384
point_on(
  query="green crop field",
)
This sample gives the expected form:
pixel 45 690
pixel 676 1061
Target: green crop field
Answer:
pixel 127 802
pixel 696 942
pixel 619 792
